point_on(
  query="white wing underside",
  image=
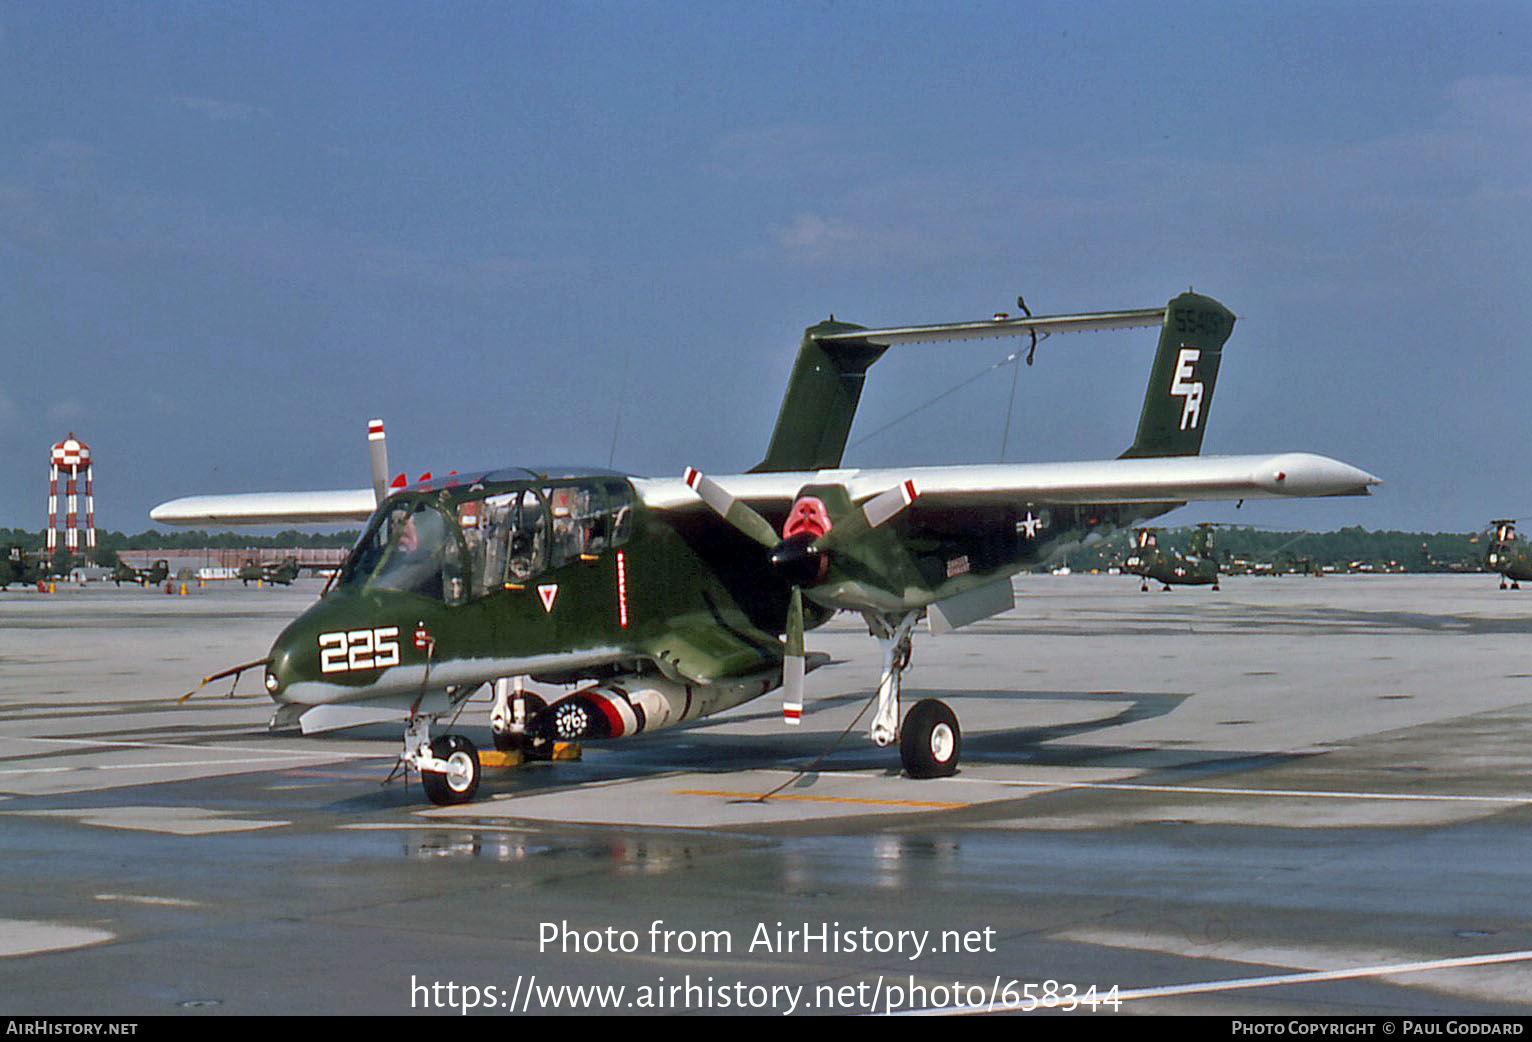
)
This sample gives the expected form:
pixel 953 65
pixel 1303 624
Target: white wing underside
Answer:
pixel 269 508
pixel 1161 480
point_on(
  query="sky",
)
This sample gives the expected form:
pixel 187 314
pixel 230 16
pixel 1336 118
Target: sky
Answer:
pixel 231 234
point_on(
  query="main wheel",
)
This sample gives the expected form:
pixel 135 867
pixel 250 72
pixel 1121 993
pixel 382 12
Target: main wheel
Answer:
pixel 930 741
pixel 461 779
pixel 509 741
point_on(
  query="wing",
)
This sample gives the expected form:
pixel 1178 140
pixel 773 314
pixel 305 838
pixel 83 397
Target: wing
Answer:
pixel 1171 479
pixel 260 508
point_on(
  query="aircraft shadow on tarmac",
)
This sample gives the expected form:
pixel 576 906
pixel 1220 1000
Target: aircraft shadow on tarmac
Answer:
pixel 714 746
pixel 1029 745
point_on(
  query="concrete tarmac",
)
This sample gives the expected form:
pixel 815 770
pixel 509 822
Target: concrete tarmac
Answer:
pixel 1292 796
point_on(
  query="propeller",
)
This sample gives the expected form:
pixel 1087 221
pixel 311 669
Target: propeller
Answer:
pixel 800 554
pixel 377 446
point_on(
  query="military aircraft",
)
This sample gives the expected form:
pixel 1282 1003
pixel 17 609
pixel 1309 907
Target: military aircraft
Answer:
pixel 1149 560
pixel 1508 555
pixel 664 600
pixel 283 573
pixel 16 567
pixel 155 574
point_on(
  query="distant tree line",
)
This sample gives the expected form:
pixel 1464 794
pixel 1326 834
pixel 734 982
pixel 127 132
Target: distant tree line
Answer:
pixel 1343 550
pixel 1286 550
pixel 108 543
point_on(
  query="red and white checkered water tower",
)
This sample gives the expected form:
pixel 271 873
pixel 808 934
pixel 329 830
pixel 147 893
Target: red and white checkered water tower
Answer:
pixel 71 457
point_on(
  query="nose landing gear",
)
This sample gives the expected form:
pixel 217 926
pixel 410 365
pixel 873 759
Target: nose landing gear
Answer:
pixel 457 780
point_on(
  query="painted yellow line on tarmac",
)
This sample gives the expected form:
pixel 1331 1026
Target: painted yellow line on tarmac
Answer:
pixel 444 826
pixel 1207 790
pixel 860 801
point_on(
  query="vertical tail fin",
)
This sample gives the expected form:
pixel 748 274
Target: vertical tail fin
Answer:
pixel 1181 383
pixel 821 400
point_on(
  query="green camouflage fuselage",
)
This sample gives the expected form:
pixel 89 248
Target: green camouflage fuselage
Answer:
pixel 679 593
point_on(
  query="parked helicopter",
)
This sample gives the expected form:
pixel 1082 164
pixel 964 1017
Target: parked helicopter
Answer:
pixel 1508 555
pixel 155 574
pixel 1149 560
pixel 281 574
pixel 667 600
pixel 17 567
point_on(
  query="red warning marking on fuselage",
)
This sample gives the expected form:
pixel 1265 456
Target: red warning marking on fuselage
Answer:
pixel 547 594
pixel 622 590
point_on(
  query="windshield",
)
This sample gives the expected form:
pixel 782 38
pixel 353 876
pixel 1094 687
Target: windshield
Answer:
pixel 412 547
pixel 478 541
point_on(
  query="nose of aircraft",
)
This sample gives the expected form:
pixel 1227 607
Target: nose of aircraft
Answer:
pixel 280 671
pixel 294 657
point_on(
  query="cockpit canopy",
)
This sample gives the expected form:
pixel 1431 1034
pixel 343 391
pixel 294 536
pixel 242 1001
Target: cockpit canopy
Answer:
pixel 474 539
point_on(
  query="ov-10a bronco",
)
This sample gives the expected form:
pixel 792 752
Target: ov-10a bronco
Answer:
pixel 664 600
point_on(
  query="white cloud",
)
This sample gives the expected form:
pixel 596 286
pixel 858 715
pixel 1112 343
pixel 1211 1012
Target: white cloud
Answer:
pixel 1494 100
pixel 66 411
pixel 811 232
pixel 222 111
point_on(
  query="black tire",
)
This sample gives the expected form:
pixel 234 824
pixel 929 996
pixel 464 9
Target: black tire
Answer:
pixel 460 784
pixel 930 742
pixel 507 742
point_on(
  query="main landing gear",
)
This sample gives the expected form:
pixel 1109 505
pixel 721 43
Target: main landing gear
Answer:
pixel 930 742
pixel 513 711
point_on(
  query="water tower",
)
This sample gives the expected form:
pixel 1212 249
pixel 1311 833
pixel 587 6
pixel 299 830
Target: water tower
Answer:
pixel 71 457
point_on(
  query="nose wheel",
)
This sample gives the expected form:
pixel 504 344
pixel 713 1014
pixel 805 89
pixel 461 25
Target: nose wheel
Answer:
pixel 448 765
pixel 458 780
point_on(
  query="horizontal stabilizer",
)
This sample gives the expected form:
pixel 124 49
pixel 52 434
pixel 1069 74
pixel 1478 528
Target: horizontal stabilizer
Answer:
pixel 833 358
pixel 1088 322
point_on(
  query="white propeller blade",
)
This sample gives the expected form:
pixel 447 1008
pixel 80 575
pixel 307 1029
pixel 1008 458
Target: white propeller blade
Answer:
pixel 793 662
pixel 377 445
pixel 729 507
